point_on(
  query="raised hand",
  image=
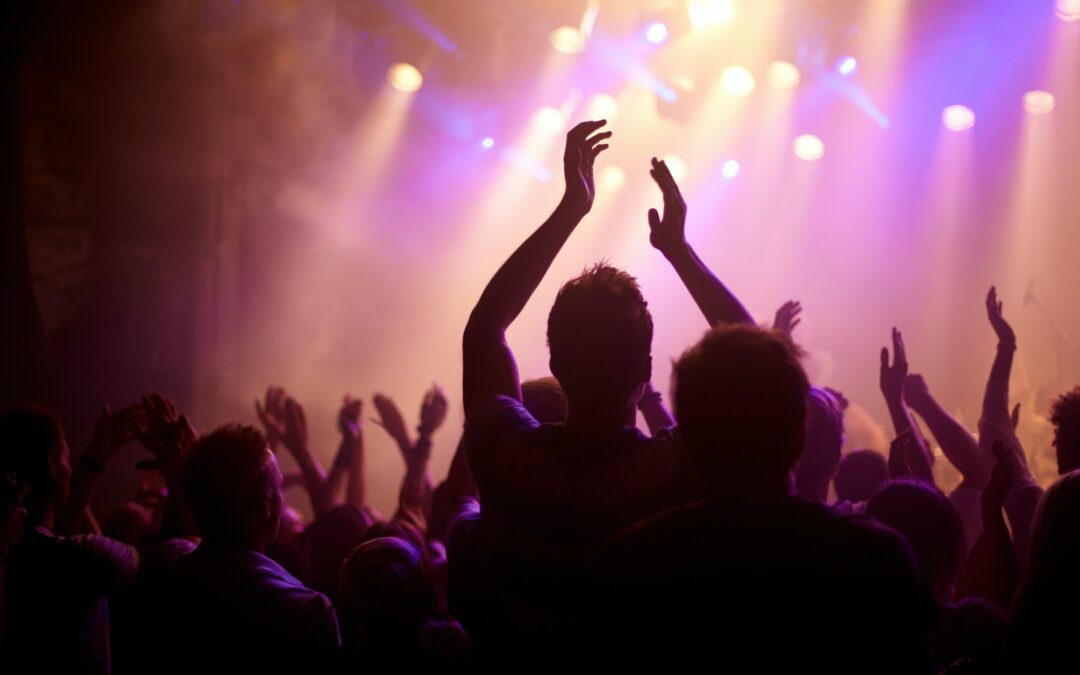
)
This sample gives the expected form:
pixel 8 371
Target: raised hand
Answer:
pixel 787 317
pixel 1002 329
pixel 349 417
pixel 272 415
pixel 168 435
pixel 916 391
pixel 390 420
pixel 578 159
pixel 113 431
pixel 295 434
pixel 892 378
pixel 668 233
pixel 432 410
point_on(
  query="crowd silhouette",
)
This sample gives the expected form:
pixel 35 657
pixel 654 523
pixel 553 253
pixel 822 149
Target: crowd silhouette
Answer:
pixel 734 535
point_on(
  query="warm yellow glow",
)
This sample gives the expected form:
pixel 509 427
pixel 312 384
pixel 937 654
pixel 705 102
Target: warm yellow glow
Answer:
pixel 1068 10
pixel 1038 102
pixel 612 178
pixel 737 81
pixel 705 13
pixel 676 166
pixel 809 147
pixel 549 121
pixel 602 107
pixel 684 82
pixel 404 77
pixel 958 118
pixel 783 75
pixel 567 39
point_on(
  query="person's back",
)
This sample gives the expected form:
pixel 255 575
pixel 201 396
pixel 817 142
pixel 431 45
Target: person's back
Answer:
pixel 752 575
pixel 224 605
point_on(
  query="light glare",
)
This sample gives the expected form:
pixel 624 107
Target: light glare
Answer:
pixel 656 33
pixel 549 121
pixel 404 77
pixel 612 178
pixel 737 81
pixel 1038 102
pixel 705 13
pixel 730 169
pixel 1068 10
pixel 676 166
pixel 602 107
pixel 847 65
pixel 958 118
pixel 784 75
pixel 488 143
pixel 808 147
pixel 567 40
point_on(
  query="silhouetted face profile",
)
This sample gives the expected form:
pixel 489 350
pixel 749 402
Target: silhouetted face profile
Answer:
pixel 600 337
pixel 233 485
pixel 740 401
pixel 1065 414
pixel 33 450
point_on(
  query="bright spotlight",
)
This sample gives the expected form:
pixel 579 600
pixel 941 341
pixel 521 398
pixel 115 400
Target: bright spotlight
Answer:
pixel 958 118
pixel 602 107
pixel 705 13
pixel 488 143
pixel 612 178
pixel 1038 102
pixel 783 75
pixel 567 40
pixel 549 121
pixel 1068 10
pixel 404 77
pixel 808 147
pixel 656 33
pixel 730 169
pixel 737 81
pixel 847 65
pixel 676 166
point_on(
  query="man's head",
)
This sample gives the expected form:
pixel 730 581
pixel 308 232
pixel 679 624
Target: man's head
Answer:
pixel 860 474
pixel 232 485
pixel 544 399
pixel 33 450
pixel 821 447
pixel 1065 414
pixel 600 337
pixel 740 401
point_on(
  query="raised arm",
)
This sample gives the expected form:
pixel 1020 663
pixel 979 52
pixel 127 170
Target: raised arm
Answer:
pixel 489 368
pixel 892 377
pixel 667 234
pixel 651 405
pixel 960 446
pixel 352 446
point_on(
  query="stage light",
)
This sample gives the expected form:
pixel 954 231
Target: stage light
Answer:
pixel 567 39
pixel 958 118
pixel 676 166
pixel 1068 10
pixel 847 65
pixel 705 13
pixel 783 75
pixel 602 107
pixel 730 169
pixel 656 33
pixel 488 143
pixel 549 121
pixel 612 178
pixel 737 81
pixel 1038 102
pixel 684 82
pixel 808 147
pixel 404 77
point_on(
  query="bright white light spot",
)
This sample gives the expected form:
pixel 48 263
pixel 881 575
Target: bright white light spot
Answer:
pixel 656 33
pixel 808 147
pixel 676 166
pixel 1038 102
pixel 548 121
pixel 730 169
pixel 705 13
pixel 612 178
pixel 567 40
pixel 488 143
pixel 404 77
pixel 847 65
pixel 783 75
pixel 737 81
pixel 602 107
pixel 958 118
pixel 1068 10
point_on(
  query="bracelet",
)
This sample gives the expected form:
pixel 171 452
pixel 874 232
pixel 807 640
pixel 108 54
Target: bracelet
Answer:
pixel 91 464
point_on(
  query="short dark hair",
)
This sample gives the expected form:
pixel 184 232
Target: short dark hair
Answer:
pixel 28 436
pixel 860 474
pixel 545 399
pixel 600 335
pixel 227 481
pixel 1065 414
pixel 740 401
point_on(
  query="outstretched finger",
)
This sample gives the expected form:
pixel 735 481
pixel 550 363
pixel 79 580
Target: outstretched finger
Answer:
pixel 582 130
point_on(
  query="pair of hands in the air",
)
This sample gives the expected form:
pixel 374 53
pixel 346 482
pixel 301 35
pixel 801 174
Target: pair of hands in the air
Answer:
pixel 153 422
pixel 583 145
